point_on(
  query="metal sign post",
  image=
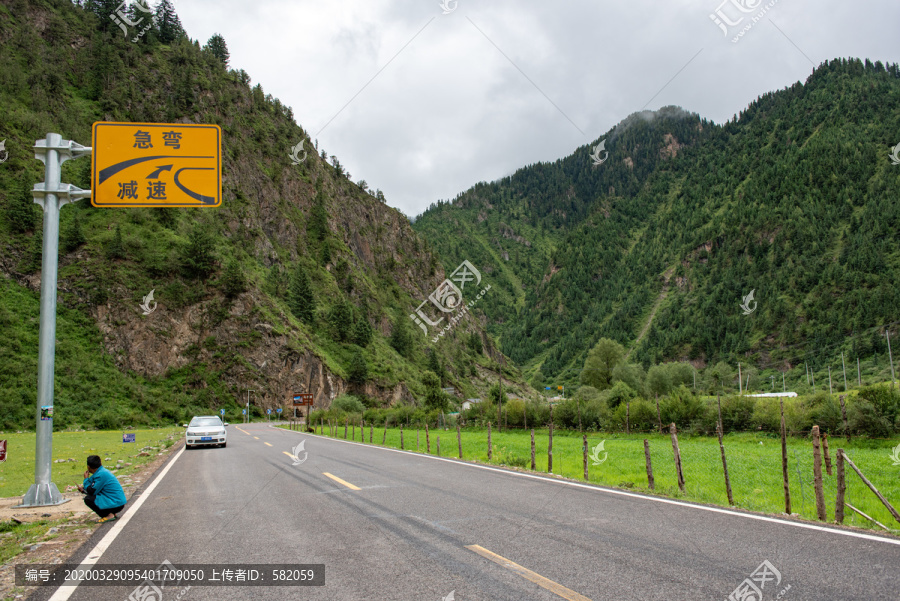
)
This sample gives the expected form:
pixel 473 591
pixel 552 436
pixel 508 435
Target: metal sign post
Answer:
pixel 52 195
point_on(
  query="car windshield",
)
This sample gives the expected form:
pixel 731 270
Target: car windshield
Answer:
pixel 206 421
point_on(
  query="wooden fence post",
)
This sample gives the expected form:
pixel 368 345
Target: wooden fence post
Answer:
pixel 371 432
pixel 784 464
pixel 533 466
pixel 401 436
pixel 384 436
pixel 873 489
pixel 649 465
pixel 490 449
pixel 817 475
pixel 354 432
pixel 417 440
pixel 346 423
pixel 550 451
pixel 427 440
pixel 584 451
pixel 841 489
pixel 724 464
pixel 844 417
pixel 827 454
pixel 672 432
pixel 459 439
pixel 438 446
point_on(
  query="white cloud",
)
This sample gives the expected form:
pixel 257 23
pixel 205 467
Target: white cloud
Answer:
pixel 450 110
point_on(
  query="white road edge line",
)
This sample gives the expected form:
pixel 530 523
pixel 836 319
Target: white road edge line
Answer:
pixel 622 493
pixel 65 590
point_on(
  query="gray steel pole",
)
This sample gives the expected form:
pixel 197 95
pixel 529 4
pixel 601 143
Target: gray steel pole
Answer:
pixel 52 196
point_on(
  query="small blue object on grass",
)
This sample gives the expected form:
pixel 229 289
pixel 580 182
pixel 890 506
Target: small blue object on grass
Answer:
pixel 128 437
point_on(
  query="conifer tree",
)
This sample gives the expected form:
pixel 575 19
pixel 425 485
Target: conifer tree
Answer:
pixel 73 237
pixel 401 339
pixel 362 332
pixel 358 372
pixel 301 299
pixel 217 47
pixel 21 211
pixel 168 25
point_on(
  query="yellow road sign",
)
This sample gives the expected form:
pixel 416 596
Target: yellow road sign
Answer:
pixel 156 165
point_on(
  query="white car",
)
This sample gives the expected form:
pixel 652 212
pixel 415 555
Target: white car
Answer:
pixel 205 430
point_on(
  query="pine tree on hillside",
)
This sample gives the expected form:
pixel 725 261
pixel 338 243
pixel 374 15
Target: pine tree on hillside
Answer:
pixel 358 372
pixel 317 227
pixel 115 249
pixel 168 25
pixel 217 47
pixel 73 237
pixel 362 332
pixel 401 339
pixel 301 299
pixel 21 212
pixel 233 280
pixel 198 257
pixel 341 319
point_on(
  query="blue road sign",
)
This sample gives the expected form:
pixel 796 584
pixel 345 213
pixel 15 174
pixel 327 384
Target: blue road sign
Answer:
pixel 244 411
pixel 547 388
pixel 128 437
pixel 268 412
pixel 221 412
pixel 279 410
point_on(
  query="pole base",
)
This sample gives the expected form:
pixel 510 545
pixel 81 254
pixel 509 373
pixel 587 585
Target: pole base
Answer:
pixel 41 495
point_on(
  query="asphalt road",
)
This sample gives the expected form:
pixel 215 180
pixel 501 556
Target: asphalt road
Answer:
pixel 410 527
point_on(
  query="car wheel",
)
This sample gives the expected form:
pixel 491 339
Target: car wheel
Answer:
pixel 223 444
pixel 187 447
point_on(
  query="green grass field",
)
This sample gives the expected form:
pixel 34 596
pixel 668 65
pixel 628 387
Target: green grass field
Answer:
pixel 754 466
pixel 17 473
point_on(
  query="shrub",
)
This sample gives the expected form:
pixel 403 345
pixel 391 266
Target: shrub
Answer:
pixel 347 403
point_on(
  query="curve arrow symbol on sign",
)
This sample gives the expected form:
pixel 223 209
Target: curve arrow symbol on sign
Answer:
pixel 159 170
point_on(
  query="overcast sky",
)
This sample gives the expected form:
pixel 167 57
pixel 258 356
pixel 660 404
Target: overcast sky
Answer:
pixel 474 94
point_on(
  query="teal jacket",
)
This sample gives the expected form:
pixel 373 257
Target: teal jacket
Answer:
pixel 108 492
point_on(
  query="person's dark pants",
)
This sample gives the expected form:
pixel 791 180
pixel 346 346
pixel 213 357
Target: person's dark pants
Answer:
pixel 89 501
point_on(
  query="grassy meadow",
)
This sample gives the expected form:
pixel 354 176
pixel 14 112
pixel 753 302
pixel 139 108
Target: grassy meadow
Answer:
pixel 754 465
pixel 17 473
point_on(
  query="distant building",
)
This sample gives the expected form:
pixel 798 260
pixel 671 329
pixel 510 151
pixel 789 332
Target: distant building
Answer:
pixel 784 394
pixel 467 404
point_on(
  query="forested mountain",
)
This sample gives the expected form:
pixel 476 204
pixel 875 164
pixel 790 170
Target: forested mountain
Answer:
pixel 796 199
pixel 303 281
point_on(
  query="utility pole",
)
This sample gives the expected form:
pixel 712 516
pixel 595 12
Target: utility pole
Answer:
pixel 890 356
pixel 783 385
pixel 52 195
pixel 248 404
pixel 773 383
pixel 807 373
pixel 858 373
pixel 844 366
pixel 740 380
pixel 829 379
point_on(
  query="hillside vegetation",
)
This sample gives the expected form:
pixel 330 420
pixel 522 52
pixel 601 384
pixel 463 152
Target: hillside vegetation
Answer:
pixel 794 199
pixel 301 282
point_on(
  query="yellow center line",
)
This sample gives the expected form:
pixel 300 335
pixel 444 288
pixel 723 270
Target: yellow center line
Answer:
pixel 539 580
pixel 256 437
pixel 267 444
pixel 242 430
pixel 288 454
pixel 339 481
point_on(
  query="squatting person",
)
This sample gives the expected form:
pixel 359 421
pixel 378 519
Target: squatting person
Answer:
pixel 104 493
